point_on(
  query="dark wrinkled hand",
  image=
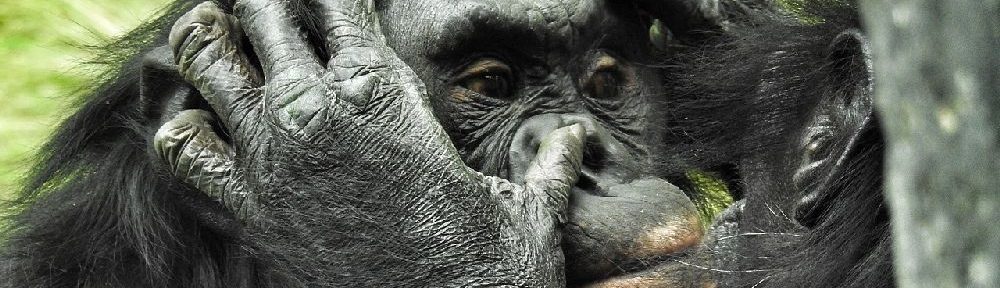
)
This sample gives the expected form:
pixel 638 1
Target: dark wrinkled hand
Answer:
pixel 363 112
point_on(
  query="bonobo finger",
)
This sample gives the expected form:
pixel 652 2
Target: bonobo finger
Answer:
pixel 194 153
pixel 556 167
pixel 207 51
pixel 350 23
pixel 354 38
pixel 281 46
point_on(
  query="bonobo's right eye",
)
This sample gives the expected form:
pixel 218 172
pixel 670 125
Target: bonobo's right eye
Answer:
pixel 488 77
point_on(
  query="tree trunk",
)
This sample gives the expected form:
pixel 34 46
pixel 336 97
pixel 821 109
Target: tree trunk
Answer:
pixel 938 92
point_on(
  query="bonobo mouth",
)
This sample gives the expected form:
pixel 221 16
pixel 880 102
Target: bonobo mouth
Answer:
pixel 621 227
pixel 630 235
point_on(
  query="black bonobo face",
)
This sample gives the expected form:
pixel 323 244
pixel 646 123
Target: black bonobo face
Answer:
pixel 502 74
pixel 836 124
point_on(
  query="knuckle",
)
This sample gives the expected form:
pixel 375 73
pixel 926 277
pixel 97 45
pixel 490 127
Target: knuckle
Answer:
pixel 358 91
pixel 177 133
pixel 173 133
pixel 356 60
pixel 195 32
pixel 350 35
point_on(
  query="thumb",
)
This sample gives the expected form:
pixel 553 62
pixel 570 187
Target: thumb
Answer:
pixel 556 167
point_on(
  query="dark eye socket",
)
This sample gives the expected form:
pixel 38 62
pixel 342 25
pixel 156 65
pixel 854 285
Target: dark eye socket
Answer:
pixel 488 77
pixel 606 80
pixel 604 85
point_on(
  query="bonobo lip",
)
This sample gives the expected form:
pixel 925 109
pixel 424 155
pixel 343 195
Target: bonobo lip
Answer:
pixel 674 269
pixel 659 271
pixel 681 269
pixel 629 231
pixel 665 273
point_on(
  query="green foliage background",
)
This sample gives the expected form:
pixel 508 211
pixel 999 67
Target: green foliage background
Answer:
pixel 42 47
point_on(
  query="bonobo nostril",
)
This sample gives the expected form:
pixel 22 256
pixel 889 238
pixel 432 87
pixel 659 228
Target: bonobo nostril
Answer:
pixel 602 154
pixel 595 156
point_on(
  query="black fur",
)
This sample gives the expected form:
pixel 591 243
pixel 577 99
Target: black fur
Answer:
pixel 740 100
pixel 97 211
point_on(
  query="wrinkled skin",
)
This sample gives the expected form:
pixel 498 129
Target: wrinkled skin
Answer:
pixel 326 156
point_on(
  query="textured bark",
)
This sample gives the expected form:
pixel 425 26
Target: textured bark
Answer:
pixel 938 91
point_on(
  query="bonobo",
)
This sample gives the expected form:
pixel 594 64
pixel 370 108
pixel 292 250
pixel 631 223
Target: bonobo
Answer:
pixel 502 74
pixel 788 102
pixel 268 143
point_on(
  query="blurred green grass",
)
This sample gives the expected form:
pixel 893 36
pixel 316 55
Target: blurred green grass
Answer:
pixel 42 44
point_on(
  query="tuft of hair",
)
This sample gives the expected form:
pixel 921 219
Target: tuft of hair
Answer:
pixel 98 211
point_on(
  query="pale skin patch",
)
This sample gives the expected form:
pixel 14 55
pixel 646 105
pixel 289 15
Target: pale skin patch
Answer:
pixel 605 62
pixel 459 96
pixel 636 282
pixel 669 238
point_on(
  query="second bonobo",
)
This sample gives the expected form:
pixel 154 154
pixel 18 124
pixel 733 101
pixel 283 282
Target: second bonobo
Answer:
pixel 502 74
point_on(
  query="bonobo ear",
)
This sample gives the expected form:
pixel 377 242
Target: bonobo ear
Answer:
pixel 849 57
pixel 842 114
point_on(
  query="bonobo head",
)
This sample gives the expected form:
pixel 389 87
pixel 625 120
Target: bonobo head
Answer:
pixel 791 102
pixel 502 74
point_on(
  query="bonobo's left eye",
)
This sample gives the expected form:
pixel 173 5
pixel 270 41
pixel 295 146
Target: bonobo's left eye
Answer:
pixel 606 78
pixel 488 77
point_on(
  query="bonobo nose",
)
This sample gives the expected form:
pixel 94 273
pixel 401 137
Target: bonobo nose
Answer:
pixel 621 224
pixel 606 162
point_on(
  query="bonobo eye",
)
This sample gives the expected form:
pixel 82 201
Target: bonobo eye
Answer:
pixel 488 77
pixel 606 78
pixel 604 85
